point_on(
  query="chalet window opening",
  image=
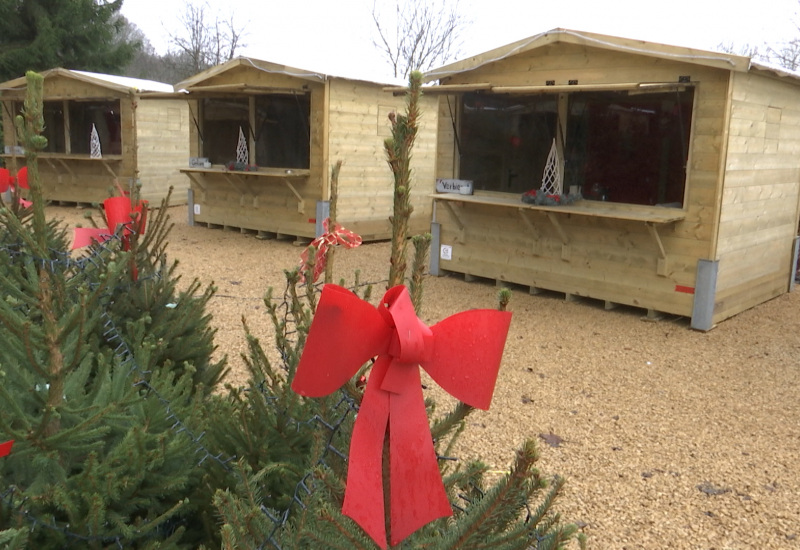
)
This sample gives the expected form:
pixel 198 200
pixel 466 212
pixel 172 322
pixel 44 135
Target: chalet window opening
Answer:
pixel 68 125
pixel 104 116
pixel 618 146
pixel 277 127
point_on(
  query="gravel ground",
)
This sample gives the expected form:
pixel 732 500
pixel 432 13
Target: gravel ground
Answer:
pixel 668 437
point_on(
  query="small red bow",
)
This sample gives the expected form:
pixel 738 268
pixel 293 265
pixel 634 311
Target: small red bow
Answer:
pixel 7 182
pixel 461 353
pixel 339 235
pixel 5 448
pixel 119 211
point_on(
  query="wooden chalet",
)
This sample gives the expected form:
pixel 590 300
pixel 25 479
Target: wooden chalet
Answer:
pixel 687 162
pixel 264 140
pixel 102 129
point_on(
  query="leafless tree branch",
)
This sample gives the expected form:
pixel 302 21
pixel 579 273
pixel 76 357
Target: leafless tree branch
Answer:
pixel 418 35
pixel 203 42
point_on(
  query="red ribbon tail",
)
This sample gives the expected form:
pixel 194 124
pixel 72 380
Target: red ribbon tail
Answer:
pixel 363 497
pixel 85 236
pixel 418 495
pixel 5 448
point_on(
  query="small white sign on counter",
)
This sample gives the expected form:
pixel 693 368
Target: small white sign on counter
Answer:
pixel 463 187
pixel 199 162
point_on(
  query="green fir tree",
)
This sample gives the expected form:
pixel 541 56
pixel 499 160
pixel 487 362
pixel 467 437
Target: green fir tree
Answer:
pixel 104 372
pixel 288 486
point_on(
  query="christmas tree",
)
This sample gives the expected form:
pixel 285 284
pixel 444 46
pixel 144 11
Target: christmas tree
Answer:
pixel 104 372
pixel 295 500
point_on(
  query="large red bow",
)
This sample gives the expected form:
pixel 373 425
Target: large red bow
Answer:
pixel 461 353
pixel 5 448
pixel 331 237
pixel 119 211
pixel 7 181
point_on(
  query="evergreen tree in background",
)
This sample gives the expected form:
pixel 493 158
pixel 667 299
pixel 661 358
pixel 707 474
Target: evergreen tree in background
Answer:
pixel 74 34
pixel 103 376
pixel 295 501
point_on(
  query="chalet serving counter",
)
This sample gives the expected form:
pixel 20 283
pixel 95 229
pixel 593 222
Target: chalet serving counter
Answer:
pixel 60 162
pixel 620 253
pixel 270 201
pixel 243 181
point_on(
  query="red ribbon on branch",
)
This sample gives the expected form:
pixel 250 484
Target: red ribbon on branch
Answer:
pixel 461 353
pixel 119 211
pixel 5 448
pixel 7 181
pixel 338 236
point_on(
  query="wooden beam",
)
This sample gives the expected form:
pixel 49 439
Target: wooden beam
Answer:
pixel 461 228
pixel 611 87
pixel 442 88
pixel 301 204
pixel 654 233
pixel 557 224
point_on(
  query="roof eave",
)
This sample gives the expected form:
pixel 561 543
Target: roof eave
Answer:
pixel 640 47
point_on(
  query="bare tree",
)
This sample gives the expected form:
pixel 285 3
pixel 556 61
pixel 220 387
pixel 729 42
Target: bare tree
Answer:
pixel 205 42
pixel 746 50
pixel 418 34
pixel 787 55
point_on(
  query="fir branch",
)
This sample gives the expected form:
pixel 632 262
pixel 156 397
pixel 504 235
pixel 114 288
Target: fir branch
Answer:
pixel 422 244
pixel 398 153
pixel 451 421
pixel 503 299
pixel 332 203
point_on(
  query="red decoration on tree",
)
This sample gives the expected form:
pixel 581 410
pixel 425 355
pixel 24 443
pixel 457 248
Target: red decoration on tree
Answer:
pixel 7 181
pixel 119 211
pixel 338 236
pixel 5 448
pixel 461 353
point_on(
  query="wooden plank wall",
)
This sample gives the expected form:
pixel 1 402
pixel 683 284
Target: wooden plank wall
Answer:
pixel 607 259
pixel 256 203
pixel 759 201
pixel 604 259
pixel 446 150
pixel 163 148
pixel 359 124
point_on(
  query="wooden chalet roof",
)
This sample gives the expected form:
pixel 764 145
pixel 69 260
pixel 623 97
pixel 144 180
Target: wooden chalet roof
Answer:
pixel 122 84
pixel 725 61
pixel 204 81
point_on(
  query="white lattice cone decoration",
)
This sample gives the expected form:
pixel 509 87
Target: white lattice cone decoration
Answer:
pixel 553 179
pixel 94 144
pixel 241 149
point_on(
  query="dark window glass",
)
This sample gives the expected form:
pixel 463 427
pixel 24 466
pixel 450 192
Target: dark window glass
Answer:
pixel 222 119
pixel 53 113
pixel 619 146
pixel 283 130
pixel 104 116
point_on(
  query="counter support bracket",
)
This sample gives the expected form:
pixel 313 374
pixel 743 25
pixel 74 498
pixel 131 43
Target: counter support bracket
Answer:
pixel 662 252
pixel 456 217
pixel 301 204
pixel 537 236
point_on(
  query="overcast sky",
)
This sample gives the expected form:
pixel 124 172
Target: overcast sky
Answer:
pixel 335 36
